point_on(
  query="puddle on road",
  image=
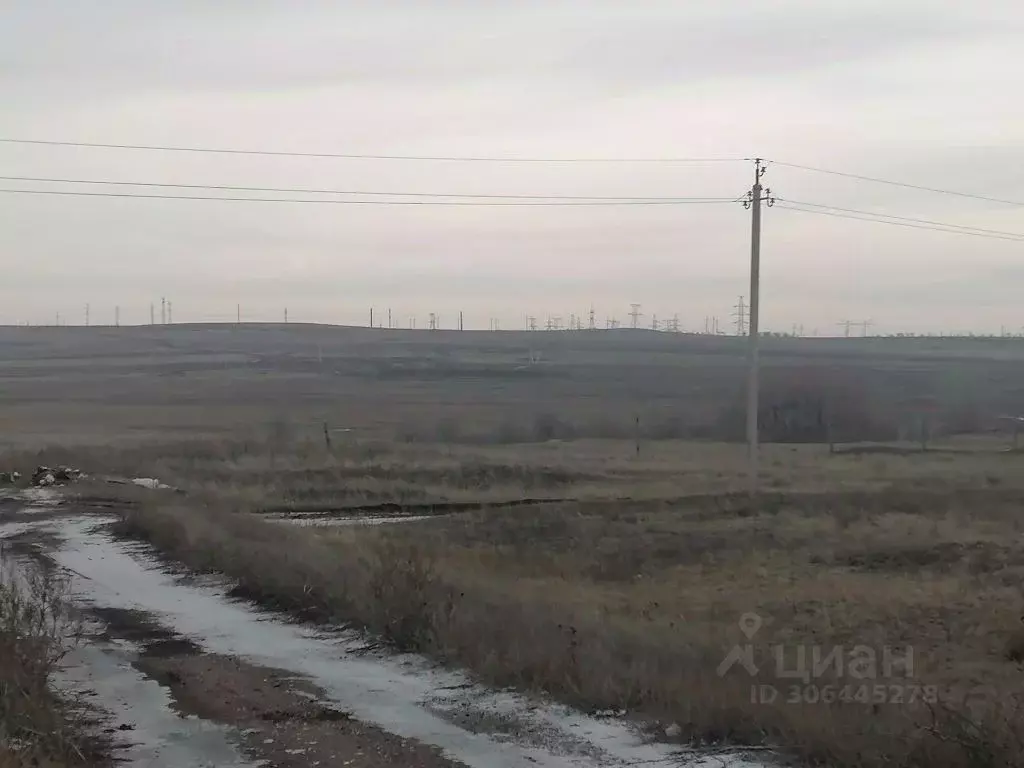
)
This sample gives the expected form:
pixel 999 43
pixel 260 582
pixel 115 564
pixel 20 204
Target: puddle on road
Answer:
pixel 139 712
pixel 330 522
pixel 404 694
pixel 159 736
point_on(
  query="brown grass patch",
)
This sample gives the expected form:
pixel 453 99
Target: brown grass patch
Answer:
pixel 37 728
pixel 634 604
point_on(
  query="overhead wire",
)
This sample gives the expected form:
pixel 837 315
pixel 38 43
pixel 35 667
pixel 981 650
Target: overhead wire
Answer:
pixel 876 180
pixel 486 203
pixel 879 220
pixel 470 199
pixel 928 222
pixel 355 156
pixel 306 191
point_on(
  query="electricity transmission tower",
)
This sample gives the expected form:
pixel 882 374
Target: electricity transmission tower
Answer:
pixel 846 325
pixel 433 321
pixel 654 322
pixel 635 314
pixel 531 323
pixel 591 325
pixel 864 325
pixel 673 324
pixel 741 317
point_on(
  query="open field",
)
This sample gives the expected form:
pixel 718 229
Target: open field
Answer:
pixel 160 382
pixel 580 529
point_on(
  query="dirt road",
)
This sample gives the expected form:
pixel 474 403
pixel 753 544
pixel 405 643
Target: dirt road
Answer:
pixel 188 676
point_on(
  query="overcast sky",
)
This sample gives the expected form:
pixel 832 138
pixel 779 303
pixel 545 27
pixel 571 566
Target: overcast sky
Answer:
pixel 921 91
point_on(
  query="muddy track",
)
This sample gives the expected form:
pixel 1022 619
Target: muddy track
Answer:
pixel 397 509
pixel 190 677
pixel 736 501
pixel 277 717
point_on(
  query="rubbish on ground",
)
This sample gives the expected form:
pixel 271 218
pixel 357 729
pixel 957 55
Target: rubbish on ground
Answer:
pixel 149 482
pixel 45 476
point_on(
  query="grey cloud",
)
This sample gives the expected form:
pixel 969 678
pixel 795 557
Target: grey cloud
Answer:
pixel 274 46
pixel 914 90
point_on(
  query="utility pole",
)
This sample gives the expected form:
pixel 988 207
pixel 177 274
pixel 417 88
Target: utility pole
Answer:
pixel 741 318
pixel 460 319
pixel 170 315
pixel 286 315
pixel 238 314
pixel 864 325
pixel 152 314
pixel 591 325
pixel 635 314
pixel 163 311
pixel 117 317
pixel 86 315
pixel 753 202
pixel 389 317
pixel 654 323
pixel 845 324
pixel 371 317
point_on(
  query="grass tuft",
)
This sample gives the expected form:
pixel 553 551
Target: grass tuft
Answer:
pixel 38 728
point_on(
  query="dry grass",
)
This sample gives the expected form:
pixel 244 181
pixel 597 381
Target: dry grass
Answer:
pixel 634 603
pixel 628 595
pixel 37 728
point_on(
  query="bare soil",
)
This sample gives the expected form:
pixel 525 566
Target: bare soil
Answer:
pixel 279 717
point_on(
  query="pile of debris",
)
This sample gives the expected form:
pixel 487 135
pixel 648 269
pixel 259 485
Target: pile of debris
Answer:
pixel 45 476
pixel 9 478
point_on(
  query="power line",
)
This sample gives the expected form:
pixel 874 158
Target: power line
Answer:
pixel 72 193
pixel 445 158
pixel 875 180
pixel 904 218
pixel 875 219
pixel 294 190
